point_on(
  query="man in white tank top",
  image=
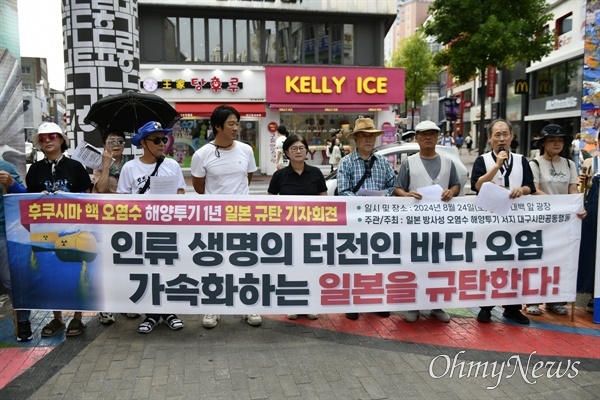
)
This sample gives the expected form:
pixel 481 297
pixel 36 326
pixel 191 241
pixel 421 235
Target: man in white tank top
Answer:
pixel 427 168
pixel 512 171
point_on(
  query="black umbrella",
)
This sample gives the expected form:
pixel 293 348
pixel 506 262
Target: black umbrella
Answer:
pixel 129 111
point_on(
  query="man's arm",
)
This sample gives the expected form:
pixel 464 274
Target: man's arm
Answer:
pixel 484 175
pixel 250 177
pixel 199 184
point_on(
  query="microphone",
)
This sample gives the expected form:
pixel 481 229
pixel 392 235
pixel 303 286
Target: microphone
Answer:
pixel 505 162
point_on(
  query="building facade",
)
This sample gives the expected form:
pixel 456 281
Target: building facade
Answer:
pixel 311 66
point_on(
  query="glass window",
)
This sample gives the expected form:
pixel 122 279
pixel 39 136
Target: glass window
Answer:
pixel 199 40
pixel 564 24
pixel 574 75
pixel 185 39
pixel 241 41
pixel 559 78
pixel 336 43
pixel 309 44
pixel 323 43
pixel 542 84
pixel 284 42
pixel 254 41
pixel 26 70
pixel 348 45
pixel 171 39
pixel 228 37
pixel 214 40
pixel 296 42
pixel 270 41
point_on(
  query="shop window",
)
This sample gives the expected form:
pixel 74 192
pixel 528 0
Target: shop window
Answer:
pixel 185 39
pixel 348 45
pixel 270 41
pixel 228 36
pixel 241 41
pixel 336 43
pixel 214 40
pixel 542 84
pixel 323 43
pixel 170 39
pixel 309 44
pixel 254 28
pixel 559 78
pixel 574 75
pixel 199 40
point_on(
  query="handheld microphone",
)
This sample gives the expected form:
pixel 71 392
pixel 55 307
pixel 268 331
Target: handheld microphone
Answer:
pixel 505 162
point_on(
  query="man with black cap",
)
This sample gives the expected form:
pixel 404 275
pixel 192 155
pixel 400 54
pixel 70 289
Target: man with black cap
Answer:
pixel 363 169
pixel 427 168
pixel 511 171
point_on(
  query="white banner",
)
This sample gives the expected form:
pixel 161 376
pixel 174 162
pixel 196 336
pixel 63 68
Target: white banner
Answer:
pixel 286 254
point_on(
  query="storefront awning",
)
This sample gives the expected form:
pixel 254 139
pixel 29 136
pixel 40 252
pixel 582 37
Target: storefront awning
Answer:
pixel 330 107
pixel 206 109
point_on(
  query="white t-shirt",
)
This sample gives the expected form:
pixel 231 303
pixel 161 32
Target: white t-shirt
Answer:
pixel 135 173
pixel 283 162
pixel 553 178
pixel 226 174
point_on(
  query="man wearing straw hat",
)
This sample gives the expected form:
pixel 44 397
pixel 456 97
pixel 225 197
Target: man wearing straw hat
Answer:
pixel 364 172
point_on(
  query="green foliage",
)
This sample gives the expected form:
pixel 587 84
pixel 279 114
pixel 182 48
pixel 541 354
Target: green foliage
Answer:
pixel 414 56
pixel 481 33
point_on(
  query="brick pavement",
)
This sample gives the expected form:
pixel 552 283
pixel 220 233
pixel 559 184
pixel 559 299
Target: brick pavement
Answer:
pixel 330 358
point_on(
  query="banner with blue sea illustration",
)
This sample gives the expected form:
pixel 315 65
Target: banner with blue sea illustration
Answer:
pixel 286 254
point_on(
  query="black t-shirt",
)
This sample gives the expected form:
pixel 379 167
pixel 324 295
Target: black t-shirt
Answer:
pixel 69 176
pixel 286 181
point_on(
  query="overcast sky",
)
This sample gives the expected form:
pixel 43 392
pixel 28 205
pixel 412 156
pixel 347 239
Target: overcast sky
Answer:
pixel 40 35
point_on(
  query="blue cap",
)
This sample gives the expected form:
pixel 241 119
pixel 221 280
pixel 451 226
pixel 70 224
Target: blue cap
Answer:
pixel 146 130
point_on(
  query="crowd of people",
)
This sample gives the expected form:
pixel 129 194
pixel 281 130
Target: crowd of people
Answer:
pixel 226 166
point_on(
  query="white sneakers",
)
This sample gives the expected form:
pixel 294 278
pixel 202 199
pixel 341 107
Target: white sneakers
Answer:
pixel 309 316
pixel 210 320
pixel 412 316
pixel 252 319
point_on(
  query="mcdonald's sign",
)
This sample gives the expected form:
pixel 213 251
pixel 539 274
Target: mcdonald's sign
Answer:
pixel 521 86
pixel 544 87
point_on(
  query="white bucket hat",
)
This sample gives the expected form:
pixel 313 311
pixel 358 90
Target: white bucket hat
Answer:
pixel 48 127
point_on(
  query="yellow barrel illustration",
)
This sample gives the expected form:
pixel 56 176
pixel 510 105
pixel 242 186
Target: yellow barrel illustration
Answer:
pixel 80 246
pixel 44 237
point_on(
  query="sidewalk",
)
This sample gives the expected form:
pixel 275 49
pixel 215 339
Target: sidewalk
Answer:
pixel 329 358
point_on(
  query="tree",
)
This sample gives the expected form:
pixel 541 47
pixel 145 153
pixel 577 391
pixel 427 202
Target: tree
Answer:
pixel 483 33
pixel 414 56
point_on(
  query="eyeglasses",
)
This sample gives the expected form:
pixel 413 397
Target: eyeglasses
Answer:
pixel 48 137
pixel 115 142
pixel 157 140
pixel 297 148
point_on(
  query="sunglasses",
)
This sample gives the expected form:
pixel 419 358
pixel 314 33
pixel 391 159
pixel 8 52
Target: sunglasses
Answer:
pixel 115 142
pixel 157 140
pixel 47 137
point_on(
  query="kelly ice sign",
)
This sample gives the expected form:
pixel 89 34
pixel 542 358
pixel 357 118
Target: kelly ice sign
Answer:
pixel 334 85
pixel 286 254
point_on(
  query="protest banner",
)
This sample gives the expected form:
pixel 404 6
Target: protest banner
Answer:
pixel 286 254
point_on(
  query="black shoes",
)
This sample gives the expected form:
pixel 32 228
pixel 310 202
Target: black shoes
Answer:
pixel 516 316
pixel 485 315
pixel 24 333
pixel 354 316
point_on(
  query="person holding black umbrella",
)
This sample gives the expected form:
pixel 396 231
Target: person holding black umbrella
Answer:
pixel 136 178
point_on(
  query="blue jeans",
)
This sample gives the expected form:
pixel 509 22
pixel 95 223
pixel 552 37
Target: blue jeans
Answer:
pixel 22 315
